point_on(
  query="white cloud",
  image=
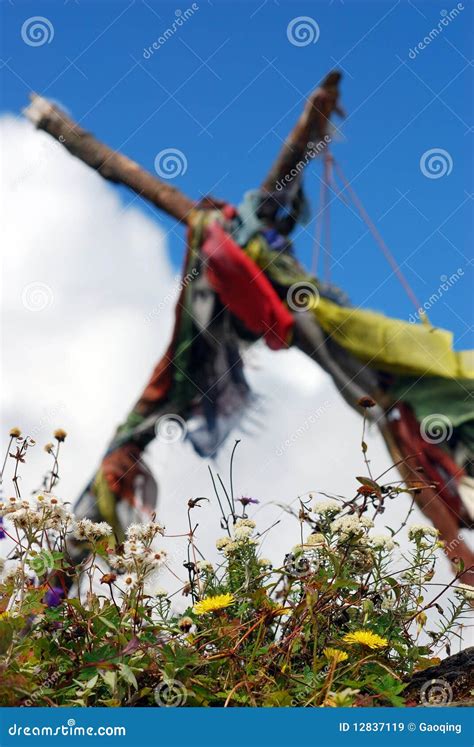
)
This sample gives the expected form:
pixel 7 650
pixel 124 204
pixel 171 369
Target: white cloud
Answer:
pixel 81 362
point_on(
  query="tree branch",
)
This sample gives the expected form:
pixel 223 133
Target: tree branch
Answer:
pixel 109 163
pixel 312 127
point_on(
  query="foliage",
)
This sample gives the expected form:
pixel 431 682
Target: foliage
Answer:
pixel 338 623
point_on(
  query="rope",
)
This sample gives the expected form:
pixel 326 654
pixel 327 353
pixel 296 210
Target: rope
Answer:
pixel 327 215
pixel 378 238
pixel 323 221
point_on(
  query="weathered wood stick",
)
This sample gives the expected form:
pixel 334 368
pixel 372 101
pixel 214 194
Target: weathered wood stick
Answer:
pixel 109 163
pixel 309 132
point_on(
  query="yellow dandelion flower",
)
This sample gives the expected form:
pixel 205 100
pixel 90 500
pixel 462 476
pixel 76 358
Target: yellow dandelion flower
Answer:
pixel 335 655
pixel 365 638
pixel 212 604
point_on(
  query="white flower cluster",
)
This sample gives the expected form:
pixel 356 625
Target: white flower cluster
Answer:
pixel 45 512
pixel 418 531
pixel 138 559
pixel 315 540
pixel 351 526
pixel 242 532
pixel 204 566
pixel 465 590
pixel 11 572
pixel 91 531
pixel 327 507
pixel 388 604
pixel 144 532
pixel 382 542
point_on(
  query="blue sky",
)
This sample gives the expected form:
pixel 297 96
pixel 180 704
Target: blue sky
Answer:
pixel 226 88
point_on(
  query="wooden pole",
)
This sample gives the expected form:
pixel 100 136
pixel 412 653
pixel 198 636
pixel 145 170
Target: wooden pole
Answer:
pixel 110 164
pixel 311 132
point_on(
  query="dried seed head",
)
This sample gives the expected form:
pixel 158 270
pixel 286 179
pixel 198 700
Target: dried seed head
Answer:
pixel 60 434
pixel 366 401
pixel 108 578
pixel 15 432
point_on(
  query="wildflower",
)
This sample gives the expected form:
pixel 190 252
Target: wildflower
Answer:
pixel 185 624
pixel 382 542
pixel 223 542
pixel 230 548
pixel 132 548
pixel 158 557
pixel 465 590
pixel 60 435
pixel 315 540
pixel 25 518
pixel 351 525
pixel 242 532
pixel 245 500
pixel 365 638
pixel 144 532
pixel 246 523
pixel 160 592
pixel 12 573
pixel 48 448
pixel 130 581
pixel 85 529
pixel 108 578
pixel 204 566
pixel 335 655
pixel 417 532
pixel 329 507
pixel 15 432
pixel 265 563
pixel 213 604
pixel 51 504
pixel 54 596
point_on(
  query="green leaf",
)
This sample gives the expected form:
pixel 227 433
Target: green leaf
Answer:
pixel 110 679
pixel 108 623
pixel 278 699
pixel 128 675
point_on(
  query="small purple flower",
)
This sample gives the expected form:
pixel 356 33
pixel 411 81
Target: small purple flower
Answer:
pixel 54 596
pixel 245 500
